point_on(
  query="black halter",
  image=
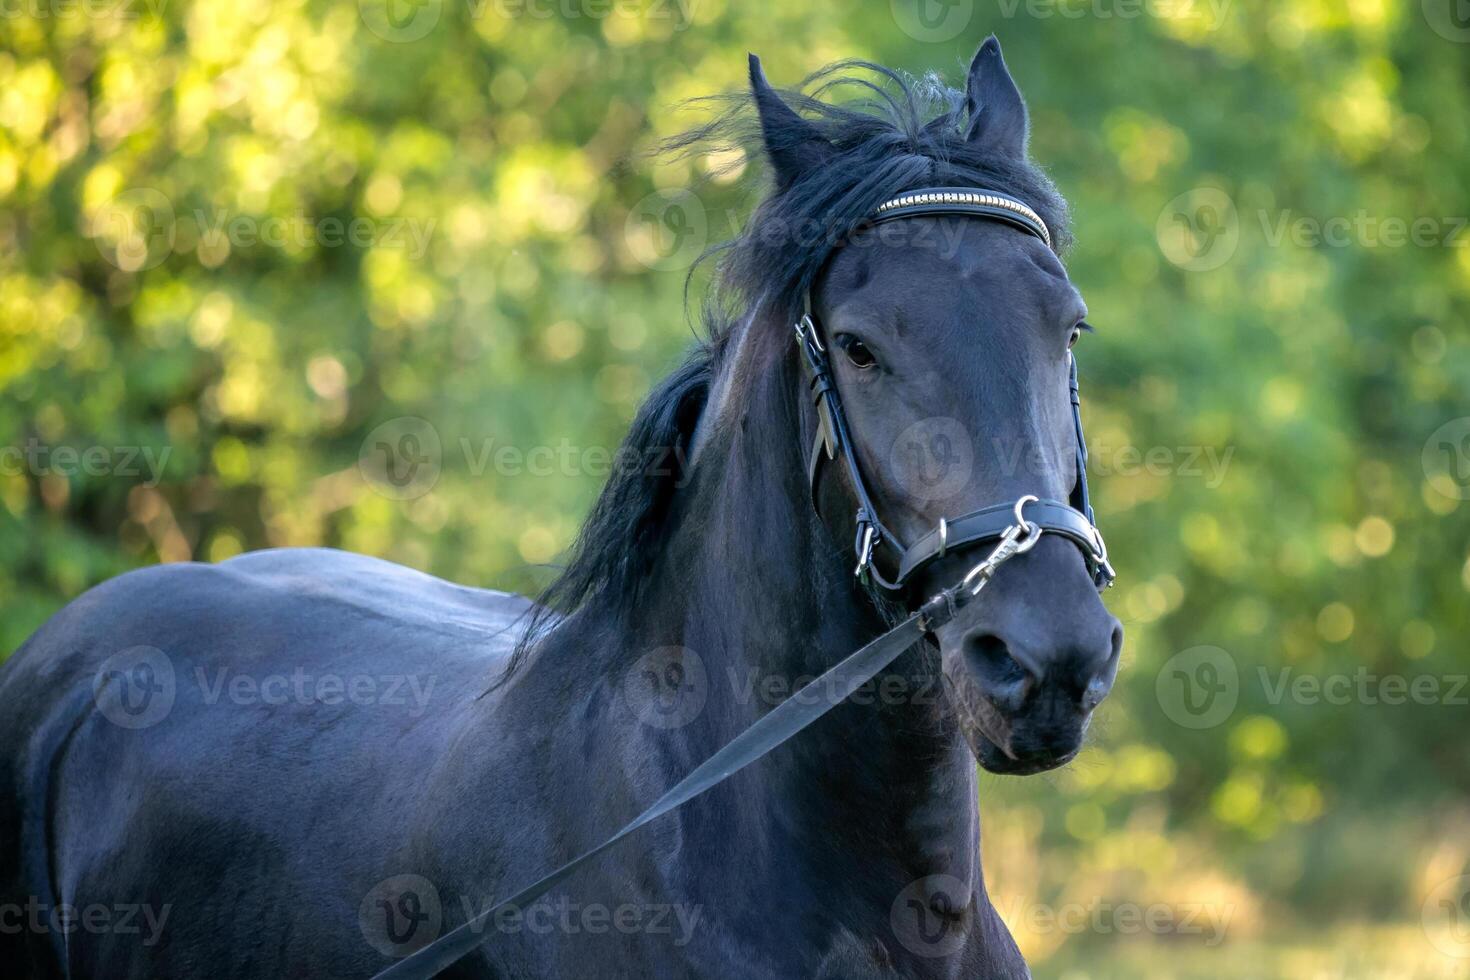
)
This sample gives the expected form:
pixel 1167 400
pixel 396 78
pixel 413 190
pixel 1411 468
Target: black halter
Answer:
pixel 1072 520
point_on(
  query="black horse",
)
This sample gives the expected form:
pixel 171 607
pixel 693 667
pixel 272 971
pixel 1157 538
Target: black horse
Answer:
pixel 305 763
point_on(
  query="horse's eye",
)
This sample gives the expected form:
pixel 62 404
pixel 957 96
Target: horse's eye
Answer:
pixel 857 352
pixel 1081 327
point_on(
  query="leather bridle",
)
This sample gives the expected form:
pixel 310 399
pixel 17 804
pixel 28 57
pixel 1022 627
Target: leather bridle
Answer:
pixel 1072 520
pixel 1015 528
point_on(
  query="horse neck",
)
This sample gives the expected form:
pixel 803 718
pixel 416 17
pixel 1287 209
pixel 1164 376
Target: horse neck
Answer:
pixel 757 587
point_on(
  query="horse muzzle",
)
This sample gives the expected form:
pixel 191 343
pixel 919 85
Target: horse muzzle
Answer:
pixel 1028 662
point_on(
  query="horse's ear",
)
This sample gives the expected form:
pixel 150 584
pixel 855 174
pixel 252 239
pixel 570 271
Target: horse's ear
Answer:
pixel 795 146
pixel 998 120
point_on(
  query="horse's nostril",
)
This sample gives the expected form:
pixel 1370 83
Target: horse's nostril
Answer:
pixel 1102 680
pixel 1004 678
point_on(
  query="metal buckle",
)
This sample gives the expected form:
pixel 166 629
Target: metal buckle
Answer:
pixel 1018 539
pixel 806 332
pixel 1102 568
pixel 865 552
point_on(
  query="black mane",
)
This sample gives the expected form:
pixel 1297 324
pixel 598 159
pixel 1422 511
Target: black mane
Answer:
pixel 897 134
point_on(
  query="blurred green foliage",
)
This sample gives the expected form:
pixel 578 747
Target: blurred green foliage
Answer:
pixel 236 238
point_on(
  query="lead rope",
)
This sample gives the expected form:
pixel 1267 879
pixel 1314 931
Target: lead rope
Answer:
pixel 769 732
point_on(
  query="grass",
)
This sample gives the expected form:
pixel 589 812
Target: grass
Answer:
pixel 1399 952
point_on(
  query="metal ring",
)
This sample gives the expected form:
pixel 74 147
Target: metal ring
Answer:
pixel 1033 532
pixel 1029 498
pixel 943 537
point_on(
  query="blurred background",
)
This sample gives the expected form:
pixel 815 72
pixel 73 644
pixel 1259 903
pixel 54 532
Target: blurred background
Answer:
pixel 393 275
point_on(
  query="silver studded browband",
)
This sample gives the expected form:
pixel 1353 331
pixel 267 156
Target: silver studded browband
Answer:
pixel 979 199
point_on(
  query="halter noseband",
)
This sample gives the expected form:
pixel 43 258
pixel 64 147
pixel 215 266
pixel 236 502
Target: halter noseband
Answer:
pixel 1017 525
